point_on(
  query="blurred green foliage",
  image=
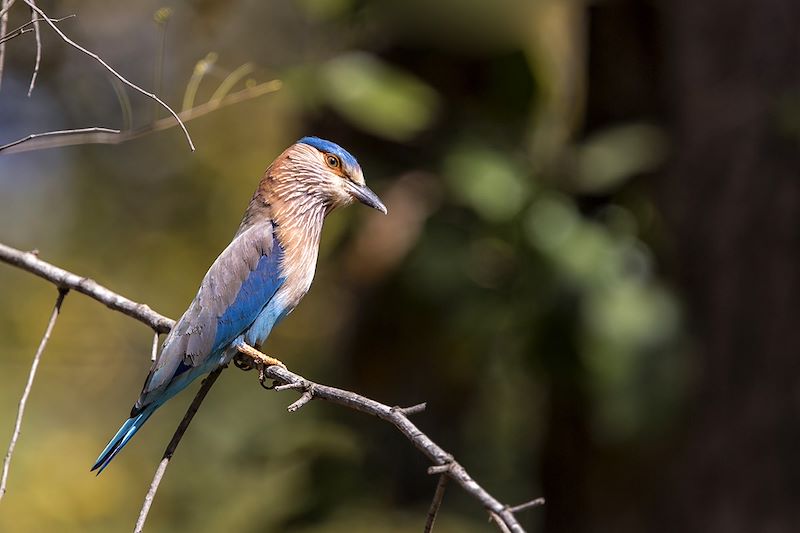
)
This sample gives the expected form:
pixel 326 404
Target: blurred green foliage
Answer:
pixel 519 261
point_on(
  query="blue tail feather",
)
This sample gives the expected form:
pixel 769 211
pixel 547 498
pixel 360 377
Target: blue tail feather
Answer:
pixel 125 433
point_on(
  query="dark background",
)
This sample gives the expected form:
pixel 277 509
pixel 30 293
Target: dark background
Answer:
pixel 589 269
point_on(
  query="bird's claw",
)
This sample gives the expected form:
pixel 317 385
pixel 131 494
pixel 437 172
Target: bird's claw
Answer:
pixel 262 378
pixel 241 363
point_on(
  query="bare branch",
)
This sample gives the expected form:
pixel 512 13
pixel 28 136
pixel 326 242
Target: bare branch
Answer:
pixel 443 462
pixel 527 505
pixel 413 410
pixel 35 22
pixel 67 280
pixel 438 496
pixel 5 5
pixel 499 522
pixel 173 445
pixel 108 67
pixel 54 139
pixel 19 30
pixel 61 134
pixel 154 351
pixel 440 469
pixel 26 392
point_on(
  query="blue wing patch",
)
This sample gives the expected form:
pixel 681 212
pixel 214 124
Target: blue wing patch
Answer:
pixel 253 296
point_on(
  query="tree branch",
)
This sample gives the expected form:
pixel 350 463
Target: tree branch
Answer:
pixel 97 135
pixel 67 280
pixel 110 69
pixel 5 5
pixel 26 392
pixel 443 462
pixel 438 496
pixel 173 445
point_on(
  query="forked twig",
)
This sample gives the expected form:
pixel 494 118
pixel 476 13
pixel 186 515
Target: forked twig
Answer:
pixel 24 28
pixel 26 392
pixel 120 77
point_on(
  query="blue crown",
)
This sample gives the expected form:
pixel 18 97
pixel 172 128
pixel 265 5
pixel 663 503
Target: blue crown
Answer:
pixel 332 148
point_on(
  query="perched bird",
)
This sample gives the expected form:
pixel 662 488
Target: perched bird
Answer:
pixel 259 278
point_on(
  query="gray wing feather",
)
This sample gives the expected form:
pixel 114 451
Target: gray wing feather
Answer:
pixel 191 340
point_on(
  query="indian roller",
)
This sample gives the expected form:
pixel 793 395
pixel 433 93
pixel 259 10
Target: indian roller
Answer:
pixel 259 278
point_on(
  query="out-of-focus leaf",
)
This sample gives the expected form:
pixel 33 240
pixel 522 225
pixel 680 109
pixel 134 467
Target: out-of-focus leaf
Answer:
pixel 489 182
pixel 612 156
pixel 377 97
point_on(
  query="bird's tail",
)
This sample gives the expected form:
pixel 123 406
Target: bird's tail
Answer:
pixel 125 433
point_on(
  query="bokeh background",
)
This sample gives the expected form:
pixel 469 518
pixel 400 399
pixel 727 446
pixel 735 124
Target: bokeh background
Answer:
pixel 589 269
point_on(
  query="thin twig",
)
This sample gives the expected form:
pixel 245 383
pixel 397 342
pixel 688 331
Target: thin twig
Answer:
pixel 442 461
pixel 125 103
pixel 438 496
pixel 231 80
pixel 96 135
pixel 161 18
pixel 527 505
pixel 154 352
pixel 499 522
pixel 38 49
pixel 25 393
pixel 200 69
pixel 413 410
pixel 20 30
pixel 108 67
pixel 173 445
pixel 5 5
pixel 59 133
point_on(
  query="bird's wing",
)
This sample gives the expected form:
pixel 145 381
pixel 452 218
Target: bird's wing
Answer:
pixel 235 289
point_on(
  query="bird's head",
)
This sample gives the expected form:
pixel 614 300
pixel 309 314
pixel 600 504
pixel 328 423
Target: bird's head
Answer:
pixel 314 169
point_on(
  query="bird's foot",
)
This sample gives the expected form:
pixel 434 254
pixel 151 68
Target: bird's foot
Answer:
pixel 242 363
pixel 255 356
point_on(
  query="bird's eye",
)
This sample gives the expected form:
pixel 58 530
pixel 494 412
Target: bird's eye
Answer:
pixel 333 161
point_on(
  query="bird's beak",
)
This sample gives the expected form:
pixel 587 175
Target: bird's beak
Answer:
pixel 364 194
